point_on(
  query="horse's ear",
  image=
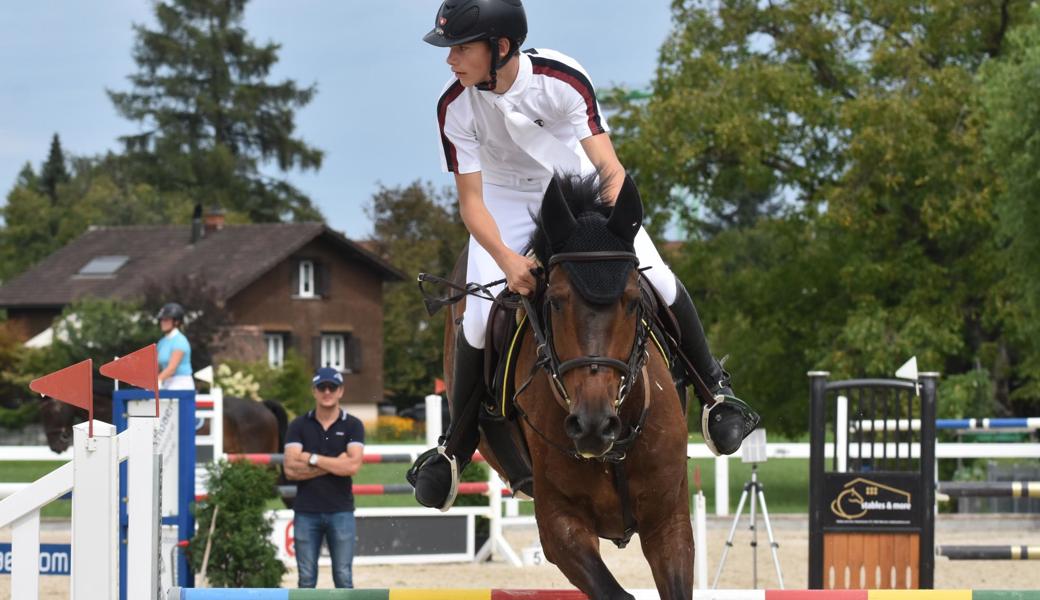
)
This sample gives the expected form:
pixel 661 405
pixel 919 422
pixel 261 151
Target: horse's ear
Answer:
pixel 556 216
pixel 627 216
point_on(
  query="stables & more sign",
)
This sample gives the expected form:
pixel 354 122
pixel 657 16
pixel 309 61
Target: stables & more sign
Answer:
pixel 873 500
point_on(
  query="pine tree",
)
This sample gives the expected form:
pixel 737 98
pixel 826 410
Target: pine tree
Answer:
pixel 208 117
pixel 54 171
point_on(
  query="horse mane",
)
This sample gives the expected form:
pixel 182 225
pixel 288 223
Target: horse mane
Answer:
pixel 584 195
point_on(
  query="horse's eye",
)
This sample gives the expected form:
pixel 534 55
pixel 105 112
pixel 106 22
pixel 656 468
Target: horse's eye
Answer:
pixel 555 304
pixel 632 306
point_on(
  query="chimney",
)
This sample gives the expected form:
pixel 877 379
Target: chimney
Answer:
pixel 196 224
pixel 214 219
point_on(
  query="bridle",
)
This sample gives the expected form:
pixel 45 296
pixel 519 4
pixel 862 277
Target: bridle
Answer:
pixel 549 360
pixel 546 349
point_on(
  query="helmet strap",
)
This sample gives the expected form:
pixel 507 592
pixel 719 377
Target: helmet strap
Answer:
pixel 492 81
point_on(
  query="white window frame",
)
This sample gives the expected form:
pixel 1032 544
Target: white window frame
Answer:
pixel 275 349
pixel 334 351
pixel 306 280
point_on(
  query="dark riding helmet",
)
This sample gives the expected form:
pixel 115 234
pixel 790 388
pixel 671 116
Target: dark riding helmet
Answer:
pixel 465 21
pixel 171 310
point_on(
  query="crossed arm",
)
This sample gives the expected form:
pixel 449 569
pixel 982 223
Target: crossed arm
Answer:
pixel 345 465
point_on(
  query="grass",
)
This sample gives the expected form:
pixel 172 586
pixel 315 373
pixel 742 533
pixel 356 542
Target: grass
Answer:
pixel 28 471
pixel 786 484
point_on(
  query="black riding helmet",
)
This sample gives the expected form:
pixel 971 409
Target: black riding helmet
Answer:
pixel 465 21
pixel 171 310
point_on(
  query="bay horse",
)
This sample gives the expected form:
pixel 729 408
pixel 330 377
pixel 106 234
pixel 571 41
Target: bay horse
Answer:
pixel 600 414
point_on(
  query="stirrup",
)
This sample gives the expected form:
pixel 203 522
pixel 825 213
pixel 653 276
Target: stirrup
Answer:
pixel 453 490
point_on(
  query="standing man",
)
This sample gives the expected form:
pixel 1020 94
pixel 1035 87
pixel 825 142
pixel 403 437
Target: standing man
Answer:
pixel 323 450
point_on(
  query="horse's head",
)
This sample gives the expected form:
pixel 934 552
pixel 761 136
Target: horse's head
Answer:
pixel 592 305
pixel 58 419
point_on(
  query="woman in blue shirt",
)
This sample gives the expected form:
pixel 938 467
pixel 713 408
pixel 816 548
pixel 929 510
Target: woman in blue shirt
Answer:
pixel 174 350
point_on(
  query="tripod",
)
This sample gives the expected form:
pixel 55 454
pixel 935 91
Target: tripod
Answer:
pixel 755 490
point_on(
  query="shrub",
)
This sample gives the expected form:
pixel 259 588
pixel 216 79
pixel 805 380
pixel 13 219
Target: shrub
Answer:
pixel 241 554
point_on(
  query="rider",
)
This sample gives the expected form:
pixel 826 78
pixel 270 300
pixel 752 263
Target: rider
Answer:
pixel 508 120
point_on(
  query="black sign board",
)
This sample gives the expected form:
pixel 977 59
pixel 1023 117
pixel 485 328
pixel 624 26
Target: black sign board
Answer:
pixel 433 534
pixel 879 500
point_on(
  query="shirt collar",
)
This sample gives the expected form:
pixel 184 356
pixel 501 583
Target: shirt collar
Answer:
pixel 515 91
pixel 313 414
pixel 173 333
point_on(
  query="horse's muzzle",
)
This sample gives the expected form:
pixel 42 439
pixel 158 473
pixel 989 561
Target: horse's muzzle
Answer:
pixel 593 434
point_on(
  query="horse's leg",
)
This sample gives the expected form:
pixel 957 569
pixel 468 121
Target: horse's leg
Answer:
pixel 668 548
pixel 570 543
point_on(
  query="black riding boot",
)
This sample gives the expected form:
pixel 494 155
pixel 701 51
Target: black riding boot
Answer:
pixel 431 475
pixel 728 420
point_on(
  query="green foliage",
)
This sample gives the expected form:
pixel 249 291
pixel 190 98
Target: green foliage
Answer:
pixel 289 384
pixel 829 164
pixel 44 213
pixel 241 553
pixel 1010 89
pixel 210 117
pixel 417 230
pixel 99 329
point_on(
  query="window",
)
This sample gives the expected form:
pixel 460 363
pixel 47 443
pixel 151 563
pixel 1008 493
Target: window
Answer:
pixel 306 278
pixel 275 349
pixel 333 351
pixel 100 266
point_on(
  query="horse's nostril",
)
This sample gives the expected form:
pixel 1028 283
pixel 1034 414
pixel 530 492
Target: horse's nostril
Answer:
pixel 611 428
pixel 572 425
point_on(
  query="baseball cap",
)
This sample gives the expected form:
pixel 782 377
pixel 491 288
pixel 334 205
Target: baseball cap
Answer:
pixel 327 375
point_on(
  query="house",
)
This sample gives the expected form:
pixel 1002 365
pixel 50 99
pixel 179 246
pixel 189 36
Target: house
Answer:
pixel 285 285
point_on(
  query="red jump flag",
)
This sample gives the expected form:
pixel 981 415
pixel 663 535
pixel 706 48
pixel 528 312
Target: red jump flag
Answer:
pixel 140 368
pixel 438 386
pixel 72 385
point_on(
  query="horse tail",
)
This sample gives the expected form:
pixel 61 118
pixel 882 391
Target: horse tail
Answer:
pixel 282 418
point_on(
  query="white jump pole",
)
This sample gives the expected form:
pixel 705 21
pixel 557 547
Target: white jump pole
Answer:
pixel 95 513
pixel 143 514
pixel 700 537
pixel 433 419
pixel 216 425
pixel 721 485
pixel 841 434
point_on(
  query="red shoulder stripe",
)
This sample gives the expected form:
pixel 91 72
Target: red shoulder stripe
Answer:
pixel 449 95
pixel 577 80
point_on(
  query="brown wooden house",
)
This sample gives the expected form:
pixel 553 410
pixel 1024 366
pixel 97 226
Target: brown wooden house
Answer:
pixel 300 285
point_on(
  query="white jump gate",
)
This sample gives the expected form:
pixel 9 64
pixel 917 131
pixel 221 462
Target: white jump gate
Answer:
pixel 93 478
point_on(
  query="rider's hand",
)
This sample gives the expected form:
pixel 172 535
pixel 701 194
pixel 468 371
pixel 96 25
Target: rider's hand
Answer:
pixel 518 273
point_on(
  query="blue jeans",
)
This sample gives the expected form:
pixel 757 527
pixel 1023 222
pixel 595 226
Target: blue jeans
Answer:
pixel 340 531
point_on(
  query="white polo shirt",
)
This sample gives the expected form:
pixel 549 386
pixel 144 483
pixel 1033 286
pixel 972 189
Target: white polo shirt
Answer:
pixel 551 89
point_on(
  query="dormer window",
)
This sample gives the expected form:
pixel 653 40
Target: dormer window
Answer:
pixel 102 266
pixel 306 279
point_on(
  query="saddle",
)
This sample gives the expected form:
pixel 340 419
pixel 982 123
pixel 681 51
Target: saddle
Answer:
pixel 498 415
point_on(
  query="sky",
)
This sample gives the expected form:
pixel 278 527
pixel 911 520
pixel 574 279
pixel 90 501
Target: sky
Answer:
pixel 377 82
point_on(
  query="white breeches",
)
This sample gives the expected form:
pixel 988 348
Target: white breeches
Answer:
pixel 514 213
pixel 178 382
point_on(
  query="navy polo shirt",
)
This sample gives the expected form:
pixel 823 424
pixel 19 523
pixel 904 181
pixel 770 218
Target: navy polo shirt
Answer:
pixel 328 493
